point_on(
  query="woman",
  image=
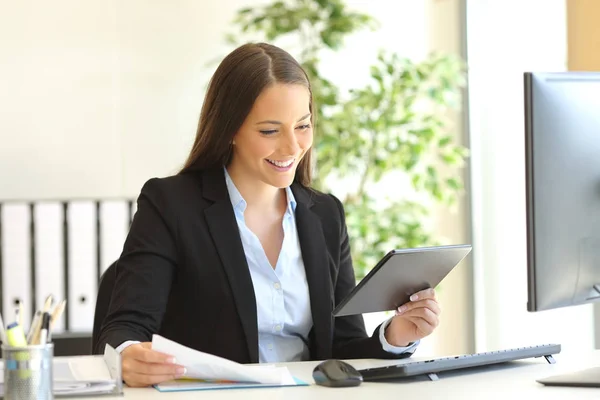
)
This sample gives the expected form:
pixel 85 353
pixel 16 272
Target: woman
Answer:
pixel 236 255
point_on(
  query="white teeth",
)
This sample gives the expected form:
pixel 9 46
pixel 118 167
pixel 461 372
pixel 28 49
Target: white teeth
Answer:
pixel 281 164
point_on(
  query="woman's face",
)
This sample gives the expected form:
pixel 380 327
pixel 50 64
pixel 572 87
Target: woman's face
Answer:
pixel 275 136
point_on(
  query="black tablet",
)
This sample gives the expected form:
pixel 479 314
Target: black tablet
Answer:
pixel 398 275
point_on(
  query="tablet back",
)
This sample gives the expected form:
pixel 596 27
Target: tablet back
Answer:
pixel 399 274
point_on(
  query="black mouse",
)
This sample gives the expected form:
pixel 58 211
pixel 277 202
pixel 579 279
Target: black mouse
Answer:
pixel 336 373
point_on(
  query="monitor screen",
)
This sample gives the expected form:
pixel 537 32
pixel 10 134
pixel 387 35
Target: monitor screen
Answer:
pixel 562 141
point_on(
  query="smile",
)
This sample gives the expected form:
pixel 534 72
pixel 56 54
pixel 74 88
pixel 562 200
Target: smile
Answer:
pixel 281 164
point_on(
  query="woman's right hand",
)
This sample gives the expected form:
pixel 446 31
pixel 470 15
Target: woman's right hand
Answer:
pixel 143 366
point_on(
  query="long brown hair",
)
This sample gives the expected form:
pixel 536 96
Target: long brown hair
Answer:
pixel 232 90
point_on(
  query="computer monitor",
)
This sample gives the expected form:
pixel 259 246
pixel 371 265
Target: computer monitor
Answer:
pixel 562 142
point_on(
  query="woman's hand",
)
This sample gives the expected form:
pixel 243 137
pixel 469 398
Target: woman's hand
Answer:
pixel 414 320
pixel 143 366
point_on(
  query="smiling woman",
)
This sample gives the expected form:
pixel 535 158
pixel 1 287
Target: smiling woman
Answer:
pixel 236 255
pixel 258 88
pixel 274 138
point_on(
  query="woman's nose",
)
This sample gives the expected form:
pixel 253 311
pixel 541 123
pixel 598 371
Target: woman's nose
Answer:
pixel 290 143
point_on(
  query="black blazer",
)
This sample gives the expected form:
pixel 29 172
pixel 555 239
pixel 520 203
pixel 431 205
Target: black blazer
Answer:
pixel 183 273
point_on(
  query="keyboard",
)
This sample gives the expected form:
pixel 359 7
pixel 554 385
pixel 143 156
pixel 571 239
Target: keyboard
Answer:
pixel 433 366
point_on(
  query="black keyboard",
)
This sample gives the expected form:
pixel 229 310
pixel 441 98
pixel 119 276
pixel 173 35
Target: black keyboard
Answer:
pixel 433 366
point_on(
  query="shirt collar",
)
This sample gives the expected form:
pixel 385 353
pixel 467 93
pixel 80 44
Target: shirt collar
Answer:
pixel 238 202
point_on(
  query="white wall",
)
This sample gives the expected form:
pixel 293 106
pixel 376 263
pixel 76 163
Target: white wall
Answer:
pixel 57 80
pixel 99 96
pixel 506 38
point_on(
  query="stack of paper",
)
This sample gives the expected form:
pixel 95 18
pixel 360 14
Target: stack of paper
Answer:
pixel 77 376
pixel 207 371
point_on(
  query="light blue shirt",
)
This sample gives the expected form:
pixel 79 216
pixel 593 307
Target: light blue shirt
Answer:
pixel 282 297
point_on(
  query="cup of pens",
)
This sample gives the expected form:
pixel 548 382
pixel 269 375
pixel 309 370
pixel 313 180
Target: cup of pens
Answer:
pixel 28 372
pixel 28 359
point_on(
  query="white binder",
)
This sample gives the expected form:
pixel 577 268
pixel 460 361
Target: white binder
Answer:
pixel 49 255
pixel 82 255
pixel 114 222
pixel 16 265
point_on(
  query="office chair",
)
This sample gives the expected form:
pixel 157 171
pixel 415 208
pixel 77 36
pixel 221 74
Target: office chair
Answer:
pixel 105 288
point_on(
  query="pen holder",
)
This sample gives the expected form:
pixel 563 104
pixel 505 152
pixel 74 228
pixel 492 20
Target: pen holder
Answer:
pixel 28 372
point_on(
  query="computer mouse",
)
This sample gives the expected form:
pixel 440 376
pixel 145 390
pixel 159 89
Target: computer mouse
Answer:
pixel 336 373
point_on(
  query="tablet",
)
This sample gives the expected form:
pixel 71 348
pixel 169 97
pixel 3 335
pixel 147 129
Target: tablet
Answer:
pixel 398 275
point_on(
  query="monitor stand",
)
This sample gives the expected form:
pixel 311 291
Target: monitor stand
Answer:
pixel 585 378
pixel 589 377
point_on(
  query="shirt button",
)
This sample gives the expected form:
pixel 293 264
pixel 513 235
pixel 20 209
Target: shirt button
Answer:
pixel 277 328
pixel 270 346
pixel 277 286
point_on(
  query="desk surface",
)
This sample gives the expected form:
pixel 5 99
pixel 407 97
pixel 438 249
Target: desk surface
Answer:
pixel 494 382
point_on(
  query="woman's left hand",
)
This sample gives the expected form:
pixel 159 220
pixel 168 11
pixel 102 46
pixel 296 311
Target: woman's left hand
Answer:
pixel 414 320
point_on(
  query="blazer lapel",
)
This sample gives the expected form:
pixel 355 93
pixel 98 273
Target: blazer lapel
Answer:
pixel 316 264
pixel 225 233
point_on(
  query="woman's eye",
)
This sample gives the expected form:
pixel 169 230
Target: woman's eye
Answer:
pixel 303 127
pixel 268 132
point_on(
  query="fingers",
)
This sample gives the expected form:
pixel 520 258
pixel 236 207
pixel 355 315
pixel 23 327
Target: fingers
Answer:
pixel 422 311
pixel 143 352
pixel 153 368
pixel 423 294
pixel 423 314
pixel 424 326
pixel 143 366
pixel 430 304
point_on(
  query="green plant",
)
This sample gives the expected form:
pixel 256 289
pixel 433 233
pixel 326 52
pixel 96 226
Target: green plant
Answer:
pixel 396 123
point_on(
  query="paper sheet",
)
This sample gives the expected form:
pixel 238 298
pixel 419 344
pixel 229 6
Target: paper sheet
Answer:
pixel 206 366
pixel 88 369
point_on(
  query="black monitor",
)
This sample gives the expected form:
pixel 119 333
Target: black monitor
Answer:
pixel 562 142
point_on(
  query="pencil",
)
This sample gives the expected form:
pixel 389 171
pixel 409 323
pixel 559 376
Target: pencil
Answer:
pixel 35 327
pixel 48 304
pixel 57 313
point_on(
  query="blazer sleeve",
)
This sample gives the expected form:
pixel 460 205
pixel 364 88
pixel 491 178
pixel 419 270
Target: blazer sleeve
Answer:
pixel 350 339
pixel 144 271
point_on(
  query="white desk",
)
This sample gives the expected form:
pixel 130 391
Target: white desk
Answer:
pixel 516 379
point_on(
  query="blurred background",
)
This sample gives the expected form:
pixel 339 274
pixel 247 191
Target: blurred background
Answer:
pixel 420 132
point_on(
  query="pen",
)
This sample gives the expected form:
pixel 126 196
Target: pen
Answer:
pixel 45 328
